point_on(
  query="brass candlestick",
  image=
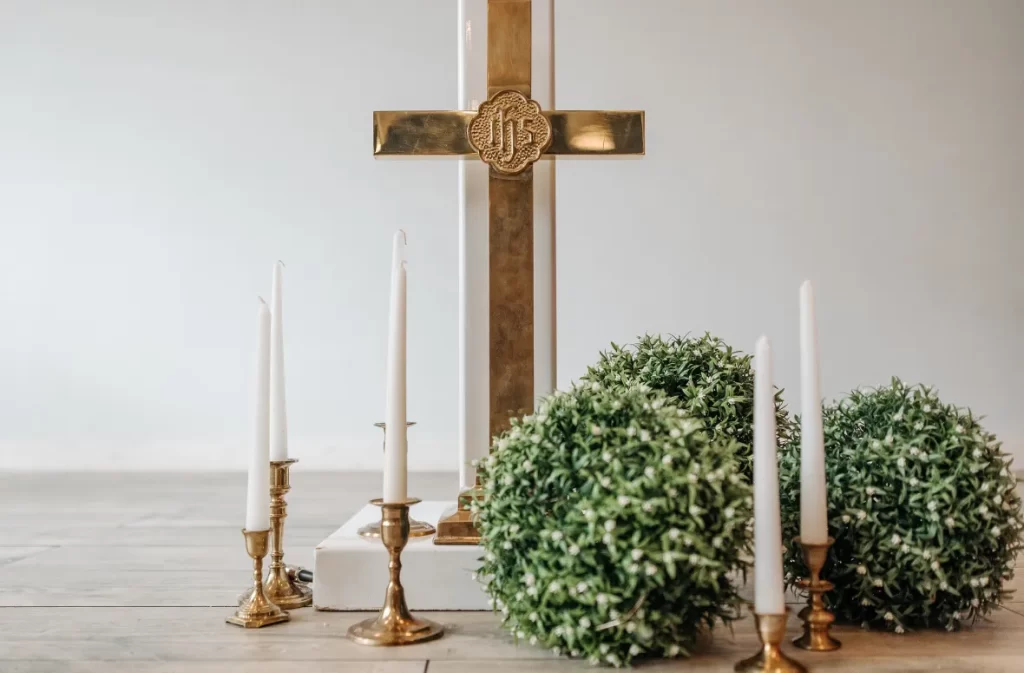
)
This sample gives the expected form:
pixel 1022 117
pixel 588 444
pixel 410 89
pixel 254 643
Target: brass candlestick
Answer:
pixel 416 528
pixel 771 629
pixel 817 620
pixel 394 625
pixel 280 587
pixel 258 611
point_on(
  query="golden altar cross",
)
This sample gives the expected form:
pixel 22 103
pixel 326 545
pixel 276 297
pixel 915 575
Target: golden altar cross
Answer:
pixel 509 132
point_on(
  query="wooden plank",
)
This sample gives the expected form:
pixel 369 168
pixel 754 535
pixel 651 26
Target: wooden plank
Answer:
pixel 214 667
pixel 10 555
pixel 198 634
pixel 837 662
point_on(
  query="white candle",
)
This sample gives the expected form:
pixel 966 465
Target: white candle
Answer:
pixel 768 599
pixel 278 408
pixel 395 437
pixel 813 505
pixel 257 502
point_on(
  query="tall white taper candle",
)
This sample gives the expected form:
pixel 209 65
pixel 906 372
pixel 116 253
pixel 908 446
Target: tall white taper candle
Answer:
pixel 813 505
pixel 395 437
pixel 768 598
pixel 257 502
pixel 278 408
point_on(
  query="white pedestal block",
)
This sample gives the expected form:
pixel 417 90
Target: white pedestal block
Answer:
pixel 351 573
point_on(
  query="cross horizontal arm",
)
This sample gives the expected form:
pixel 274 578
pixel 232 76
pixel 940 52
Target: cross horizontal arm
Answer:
pixel 596 132
pixel 444 132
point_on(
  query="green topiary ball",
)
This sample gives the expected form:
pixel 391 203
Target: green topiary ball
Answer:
pixel 611 525
pixel 923 507
pixel 707 378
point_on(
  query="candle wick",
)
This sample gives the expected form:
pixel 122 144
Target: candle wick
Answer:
pixel 262 301
pixel 280 262
pixel 405 238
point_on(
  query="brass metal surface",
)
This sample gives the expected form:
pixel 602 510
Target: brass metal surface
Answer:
pixel 424 132
pixel 446 133
pixel 509 46
pixel 394 624
pixel 511 297
pixel 417 528
pixel 456 526
pixel 596 132
pixel 817 619
pixel 258 611
pixel 280 588
pixel 771 629
pixel 509 132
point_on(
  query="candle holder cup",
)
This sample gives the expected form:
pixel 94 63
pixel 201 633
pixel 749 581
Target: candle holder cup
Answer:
pixel 817 619
pixel 417 528
pixel 394 624
pixel 258 611
pixel 771 629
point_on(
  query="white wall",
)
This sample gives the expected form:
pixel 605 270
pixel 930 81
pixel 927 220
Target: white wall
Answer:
pixel 156 157
pixel 876 147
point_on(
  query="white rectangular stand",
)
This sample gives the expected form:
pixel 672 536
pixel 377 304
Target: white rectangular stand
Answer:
pixel 351 573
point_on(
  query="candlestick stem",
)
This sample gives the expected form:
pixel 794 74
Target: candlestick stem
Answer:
pixel 771 629
pixel 817 619
pixel 394 624
pixel 258 610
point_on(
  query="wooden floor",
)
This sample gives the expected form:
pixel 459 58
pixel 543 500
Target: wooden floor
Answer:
pixel 110 573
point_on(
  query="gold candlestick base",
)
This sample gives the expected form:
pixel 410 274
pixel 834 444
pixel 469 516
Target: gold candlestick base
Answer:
pixel 417 528
pixel 280 588
pixel 771 629
pixel 371 531
pixel 259 610
pixel 817 620
pixel 394 625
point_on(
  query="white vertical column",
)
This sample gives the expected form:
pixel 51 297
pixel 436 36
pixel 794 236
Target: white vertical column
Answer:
pixel 544 295
pixel 474 287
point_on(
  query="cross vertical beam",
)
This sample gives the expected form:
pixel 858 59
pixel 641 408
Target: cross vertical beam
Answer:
pixel 509 67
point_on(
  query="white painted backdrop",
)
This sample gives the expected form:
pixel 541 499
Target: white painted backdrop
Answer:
pixel 156 157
